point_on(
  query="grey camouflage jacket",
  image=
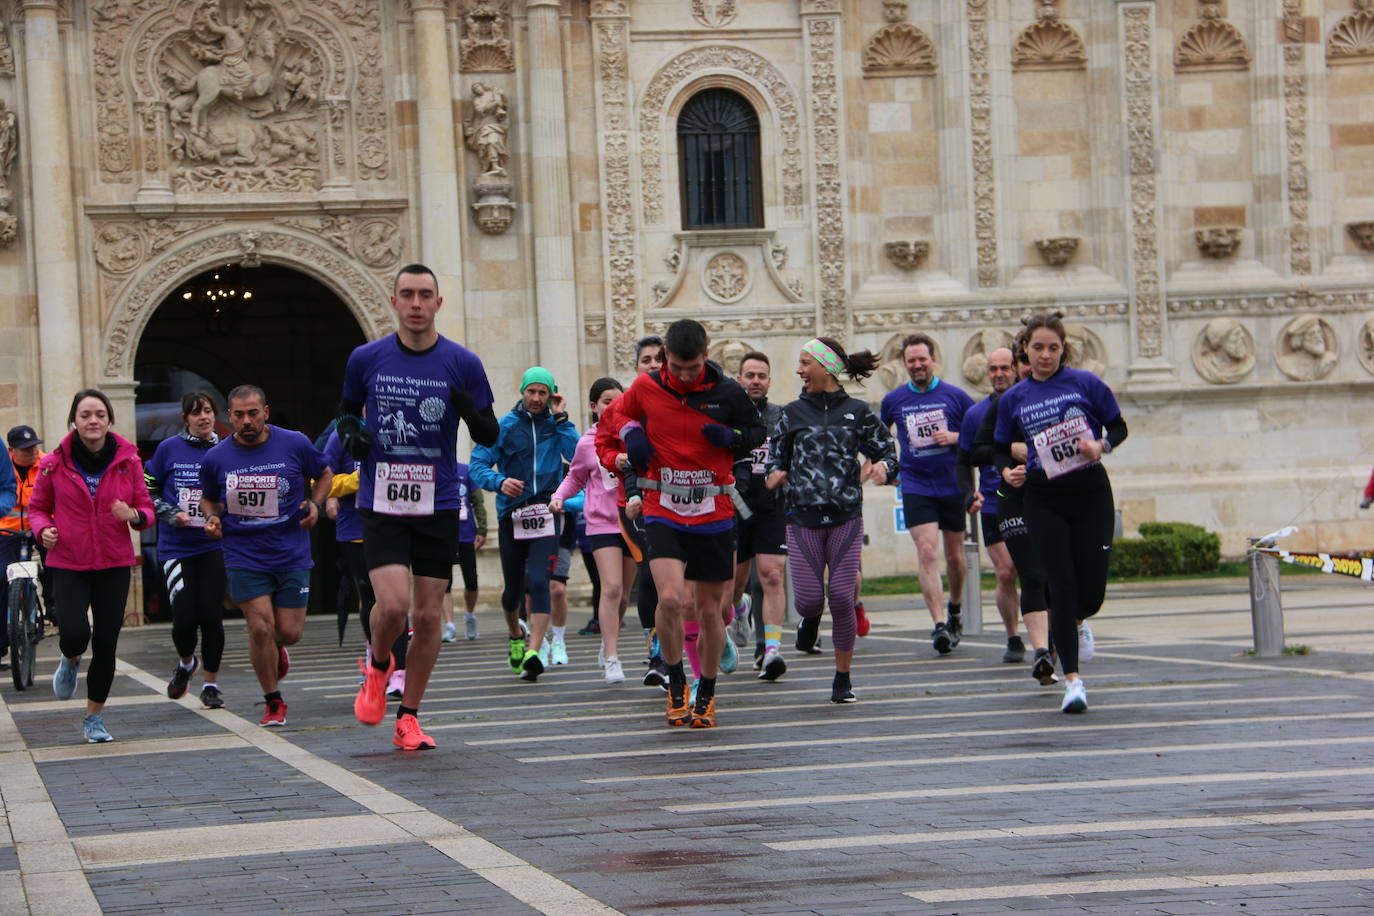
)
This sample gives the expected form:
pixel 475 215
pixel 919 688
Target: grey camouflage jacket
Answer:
pixel 818 440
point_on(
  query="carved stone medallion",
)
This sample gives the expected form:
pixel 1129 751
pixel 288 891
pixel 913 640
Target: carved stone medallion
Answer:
pixel 892 366
pixel 714 14
pixel 1306 348
pixel 1365 347
pixel 725 278
pixel 728 354
pixel 975 359
pixel 119 247
pixel 1224 351
pixel 1085 349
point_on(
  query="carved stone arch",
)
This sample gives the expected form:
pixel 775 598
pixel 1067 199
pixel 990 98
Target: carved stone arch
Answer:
pixel 364 295
pixel 758 80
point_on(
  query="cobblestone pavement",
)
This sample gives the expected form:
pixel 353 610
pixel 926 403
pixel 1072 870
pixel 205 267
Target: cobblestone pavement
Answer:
pixel 1200 780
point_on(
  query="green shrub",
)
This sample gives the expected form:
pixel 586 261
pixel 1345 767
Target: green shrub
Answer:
pixel 1166 549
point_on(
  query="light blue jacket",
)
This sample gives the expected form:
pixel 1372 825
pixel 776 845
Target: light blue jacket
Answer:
pixel 529 448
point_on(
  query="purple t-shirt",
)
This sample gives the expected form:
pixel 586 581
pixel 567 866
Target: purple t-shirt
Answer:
pixel 407 398
pixel 988 478
pixel 927 468
pixel 175 472
pixel 1030 407
pixel 348 525
pixel 262 487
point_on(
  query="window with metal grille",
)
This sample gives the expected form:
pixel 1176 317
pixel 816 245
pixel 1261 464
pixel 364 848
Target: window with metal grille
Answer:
pixel 718 155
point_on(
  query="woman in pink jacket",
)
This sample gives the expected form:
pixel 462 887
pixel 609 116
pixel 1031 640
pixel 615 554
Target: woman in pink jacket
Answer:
pixel 614 564
pixel 90 492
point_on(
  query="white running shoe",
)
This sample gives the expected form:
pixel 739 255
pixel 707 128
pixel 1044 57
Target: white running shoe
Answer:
pixel 470 626
pixel 559 652
pixel 1075 696
pixel 450 632
pixel 742 627
pixel 1086 643
pixel 601 656
pixel 544 650
pixel 614 673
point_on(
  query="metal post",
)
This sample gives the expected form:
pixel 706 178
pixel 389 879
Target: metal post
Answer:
pixel 1266 604
pixel 973 581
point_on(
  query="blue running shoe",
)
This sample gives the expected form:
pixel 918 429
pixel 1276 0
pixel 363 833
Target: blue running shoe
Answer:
pixel 94 727
pixel 729 657
pixel 64 678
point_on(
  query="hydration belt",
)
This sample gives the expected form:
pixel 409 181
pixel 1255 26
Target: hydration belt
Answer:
pixel 695 494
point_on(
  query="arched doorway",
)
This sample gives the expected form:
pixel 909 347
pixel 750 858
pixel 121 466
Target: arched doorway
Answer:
pixel 270 326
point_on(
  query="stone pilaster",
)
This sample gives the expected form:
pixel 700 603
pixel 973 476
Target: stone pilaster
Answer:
pixel 1137 33
pixel 53 219
pixel 551 196
pixel 821 24
pixel 441 245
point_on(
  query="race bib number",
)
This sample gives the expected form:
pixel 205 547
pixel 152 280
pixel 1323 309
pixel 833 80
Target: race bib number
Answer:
pixel 252 495
pixel 922 426
pixel 1057 446
pixel 533 521
pixel 403 489
pixel 188 501
pixel 692 498
pixel 760 457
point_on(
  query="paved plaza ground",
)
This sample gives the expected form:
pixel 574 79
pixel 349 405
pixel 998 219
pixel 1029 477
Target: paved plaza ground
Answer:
pixel 1200 780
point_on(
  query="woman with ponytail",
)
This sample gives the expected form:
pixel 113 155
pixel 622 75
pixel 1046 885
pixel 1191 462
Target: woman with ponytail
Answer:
pixel 815 454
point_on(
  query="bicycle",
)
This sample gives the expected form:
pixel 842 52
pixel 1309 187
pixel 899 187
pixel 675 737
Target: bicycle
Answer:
pixel 26 614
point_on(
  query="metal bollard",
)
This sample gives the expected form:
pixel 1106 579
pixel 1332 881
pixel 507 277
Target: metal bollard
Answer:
pixel 973 585
pixel 1266 604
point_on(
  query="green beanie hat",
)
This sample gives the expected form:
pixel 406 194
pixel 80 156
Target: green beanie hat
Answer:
pixel 538 375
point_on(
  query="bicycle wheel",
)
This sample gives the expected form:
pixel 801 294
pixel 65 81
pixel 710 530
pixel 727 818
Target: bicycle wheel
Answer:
pixel 23 647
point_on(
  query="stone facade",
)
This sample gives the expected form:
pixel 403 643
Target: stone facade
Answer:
pixel 1190 181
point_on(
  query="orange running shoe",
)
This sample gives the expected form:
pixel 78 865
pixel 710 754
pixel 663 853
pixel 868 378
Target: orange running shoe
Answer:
pixel 370 704
pixel 704 713
pixel 283 662
pixel 408 736
pixel 679 713
pixel 861 619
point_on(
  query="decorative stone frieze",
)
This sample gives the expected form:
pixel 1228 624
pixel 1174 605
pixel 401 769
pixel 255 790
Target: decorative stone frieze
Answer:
pixel 1285 302
pixel 376 241
pixel 1049 43
pixel 1362 233
pixel 1057 251
pixel 1138 37
pixel 906 255
pixel 899 50
pixel 1218 241
pixel 1352 39
pixel 825 102
pixel 1295 127
pixel 981 316
pixel 980 132
pixel 1223 351
pixel 485 45
pixel 1306 348
pixel 779 324
pixel 714 14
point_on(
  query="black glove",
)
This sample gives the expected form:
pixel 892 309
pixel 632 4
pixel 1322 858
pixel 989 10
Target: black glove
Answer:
pixel 639 450
pixel 356 440
pixel 719 435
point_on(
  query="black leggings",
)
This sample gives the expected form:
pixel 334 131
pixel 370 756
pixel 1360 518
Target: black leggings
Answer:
pixel 104 592
pixel 196 587
pixel 1072 532
pixel 466 558
pixel 352 552
pixel 647 603
pixel 526 565
pixel 1011 523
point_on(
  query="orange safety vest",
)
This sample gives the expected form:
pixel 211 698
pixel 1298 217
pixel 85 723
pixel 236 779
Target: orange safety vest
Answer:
pixel 17 519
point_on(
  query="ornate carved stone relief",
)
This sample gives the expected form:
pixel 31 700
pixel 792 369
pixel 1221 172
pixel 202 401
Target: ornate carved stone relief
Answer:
pixel 1084 349
pixel 782 99
pixel 611 45
pixel 980 129
pixel 899 50
pixel 1218 241
pixel 726 278
pixel 974 363
pixel 9 149
pixel 894 10
pixel 6 50
pixel 1295 126
pixel 1048 43
pixel 728 353
pixel 376 241
pixel 1362 233
pixel 906 255
pixel 1057 251
pixel 485 45
pixel 1223 351
pixel 731 267
pixel 1140 129
pixel 824 105
pixel 1297 300
pixel 980 316
pixel 783 324
pixel 363 293
pixel 486 130
pixel 714 14
pixel 1365 347
pixel 892 366
pixel 1212 44
pixel 1306 348
pixel 1352 40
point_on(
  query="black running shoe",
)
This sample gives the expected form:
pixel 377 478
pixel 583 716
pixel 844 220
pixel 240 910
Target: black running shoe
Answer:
pixel 940 640
pixel 809 636
pixel 657 675
pixel 181 679
pixel 956 628
pixel 1016 651
pixel 211 698
pixel 593 628
pixel 841 690
pixel 758 656
pixel 1043 669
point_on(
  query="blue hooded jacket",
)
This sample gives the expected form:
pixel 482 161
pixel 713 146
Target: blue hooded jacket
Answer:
pixel 529 448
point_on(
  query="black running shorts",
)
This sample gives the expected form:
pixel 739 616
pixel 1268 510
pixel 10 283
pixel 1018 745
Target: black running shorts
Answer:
pixel 425 543
pixel 762 532
pixel 709 557
pixel 947 511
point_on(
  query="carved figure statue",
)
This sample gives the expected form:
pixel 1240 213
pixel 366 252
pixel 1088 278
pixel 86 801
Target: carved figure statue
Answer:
pixel 486 127
pixel 9 148
pixel 1307 349
pixel 231 74
pixel 1223 352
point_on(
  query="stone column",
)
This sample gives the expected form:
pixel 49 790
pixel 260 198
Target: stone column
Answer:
pixel 53 218
pixel 550 198
pixel 1137 34
pixel 822 44
pixel 441 244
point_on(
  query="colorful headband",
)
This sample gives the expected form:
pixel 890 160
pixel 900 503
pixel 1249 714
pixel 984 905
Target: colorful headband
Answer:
pixel 825 356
